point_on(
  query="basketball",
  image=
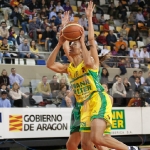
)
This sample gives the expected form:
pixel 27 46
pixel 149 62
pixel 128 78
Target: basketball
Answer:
pixel 72 31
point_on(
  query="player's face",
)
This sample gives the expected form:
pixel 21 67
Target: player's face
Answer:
pixel 75 48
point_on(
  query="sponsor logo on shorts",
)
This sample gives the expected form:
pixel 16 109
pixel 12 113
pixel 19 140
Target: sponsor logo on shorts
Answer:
pixel 83 124
pixel 15 123
pixel 118 119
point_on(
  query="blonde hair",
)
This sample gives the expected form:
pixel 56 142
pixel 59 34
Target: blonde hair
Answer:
pixel 15 83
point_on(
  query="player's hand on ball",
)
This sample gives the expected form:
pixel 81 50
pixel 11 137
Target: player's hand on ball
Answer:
pixel 61 39
pixel 82 39
pixel 89 10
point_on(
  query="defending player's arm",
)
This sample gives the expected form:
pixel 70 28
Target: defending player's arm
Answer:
pixel 93 48
pixel 56 66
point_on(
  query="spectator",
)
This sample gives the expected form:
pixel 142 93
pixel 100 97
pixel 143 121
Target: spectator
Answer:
pixel 136 86
pixel 52 13
pixel 140 17
pixel 25 51
pixel 122 67
pixel 3 87
pixel 134 51
pixel 34 50
pixel 55 40
pixel 122 11
pixel 20 38
pixel 101 39
pixel 4 78
pixel 22 8
pixel 33 5
pixel 68 7
pixel 45 24
pixel 132 78
pixel 43 5
pixel 136 101
pixel 64 76
pixel 119 43
pixel 142 79
pixel 52 5
pixel 131 19
pixel 83 22
pixel 46 37
pixel 3 31
pixel 115 78
pixel 127 86
pixel 124 33
pixel 119 92
pixel 147 83
pixel 4 102
pixel 12 35
pixel 14 77
pixel 134 34
pixel 34 29
pixel 16 95
pixel 102 20
pixel 95 20
pixel 59 7
pixel 83 6
pixel 144 55
pixel 111 21
pixel 135 6
pixel 63 81
pixel 106 26
pixel 5 48
pixel 58 19
pixel 53 32
pixel 54 85
pixel 111 38
pixel 148 39
pixel 62 93
pixel 43 88
pixel 112 10
pixel 122 50
pixel 104 76
pixel 14 15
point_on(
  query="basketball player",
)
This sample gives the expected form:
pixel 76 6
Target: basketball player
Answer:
pixel 95 112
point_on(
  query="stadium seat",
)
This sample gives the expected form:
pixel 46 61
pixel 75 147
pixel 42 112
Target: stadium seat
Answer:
pixel 40 37
pixel 25 89
pixel 30 61
pixel 76 19
pixel 101 28
pixel 111 28
pixel 118 29
pixel 128 13
pixel 97 33
pixel 106 16
pixel 79 3
pixel 19 61
pixel 127 29
pixel 75 9
pixel 140 44
pixel 131 43
pixel 34 83
pixel 108 47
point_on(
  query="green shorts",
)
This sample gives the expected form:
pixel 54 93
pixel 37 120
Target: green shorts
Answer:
pixel 75 120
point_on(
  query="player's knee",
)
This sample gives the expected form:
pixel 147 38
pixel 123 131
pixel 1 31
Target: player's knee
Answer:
pixel 97 139
pixel 85 144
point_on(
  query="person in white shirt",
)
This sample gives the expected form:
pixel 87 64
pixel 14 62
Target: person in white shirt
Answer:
pixel 134 52
pixel 59 7
pixel 52 13
pixel 62 75
pixel 104 50
pixel 83 22
pixel 135 61
pixel 140 17
pixel 142 79
pixel 144 55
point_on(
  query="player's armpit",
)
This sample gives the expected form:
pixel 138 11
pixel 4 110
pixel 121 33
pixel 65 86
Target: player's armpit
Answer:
pixel 58 67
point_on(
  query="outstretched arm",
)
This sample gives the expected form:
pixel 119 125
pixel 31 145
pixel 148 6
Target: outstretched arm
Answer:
pixel 93 48
pixel 56 66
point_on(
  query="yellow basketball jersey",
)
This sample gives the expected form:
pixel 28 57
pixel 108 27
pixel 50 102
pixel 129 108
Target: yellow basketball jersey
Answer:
pixel 84 81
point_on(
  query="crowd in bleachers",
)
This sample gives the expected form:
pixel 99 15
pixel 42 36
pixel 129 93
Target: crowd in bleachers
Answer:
pixel 53 92
pixel 41 21
pixel 120 29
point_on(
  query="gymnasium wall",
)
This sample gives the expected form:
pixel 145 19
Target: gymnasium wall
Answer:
pixel 36 72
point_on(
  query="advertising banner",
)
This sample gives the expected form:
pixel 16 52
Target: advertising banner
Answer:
pixel 55 122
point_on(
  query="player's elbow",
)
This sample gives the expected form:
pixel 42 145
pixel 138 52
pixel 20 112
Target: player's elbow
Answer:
pixel 49 65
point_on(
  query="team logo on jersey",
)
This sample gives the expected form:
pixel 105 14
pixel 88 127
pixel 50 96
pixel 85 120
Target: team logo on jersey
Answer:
pixel 76 74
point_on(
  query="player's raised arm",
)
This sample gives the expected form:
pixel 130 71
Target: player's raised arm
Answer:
pixel 89 14
pixel 56 66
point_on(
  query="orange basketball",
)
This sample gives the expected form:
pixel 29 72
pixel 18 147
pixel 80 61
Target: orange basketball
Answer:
pixel 72 31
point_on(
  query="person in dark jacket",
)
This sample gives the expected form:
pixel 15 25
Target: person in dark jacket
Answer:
pixel 33 5
pixel 111 38
pixel 104 76
pixel 46 37
pixel 134 34
pixel 20 38
pixel 132 78
pixel 58 19
pixel 136 86
pixel 14 15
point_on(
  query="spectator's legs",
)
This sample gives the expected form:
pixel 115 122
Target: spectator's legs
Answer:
pixel 32 55
pixel 21 55
pixel 15 21
pixel 34 35
pixel 130 38
pixel 12 39
pixel 63 103
pixel 46 44
pixel 24 27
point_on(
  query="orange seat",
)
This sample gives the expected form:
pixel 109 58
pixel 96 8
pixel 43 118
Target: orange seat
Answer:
pixel 40 37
